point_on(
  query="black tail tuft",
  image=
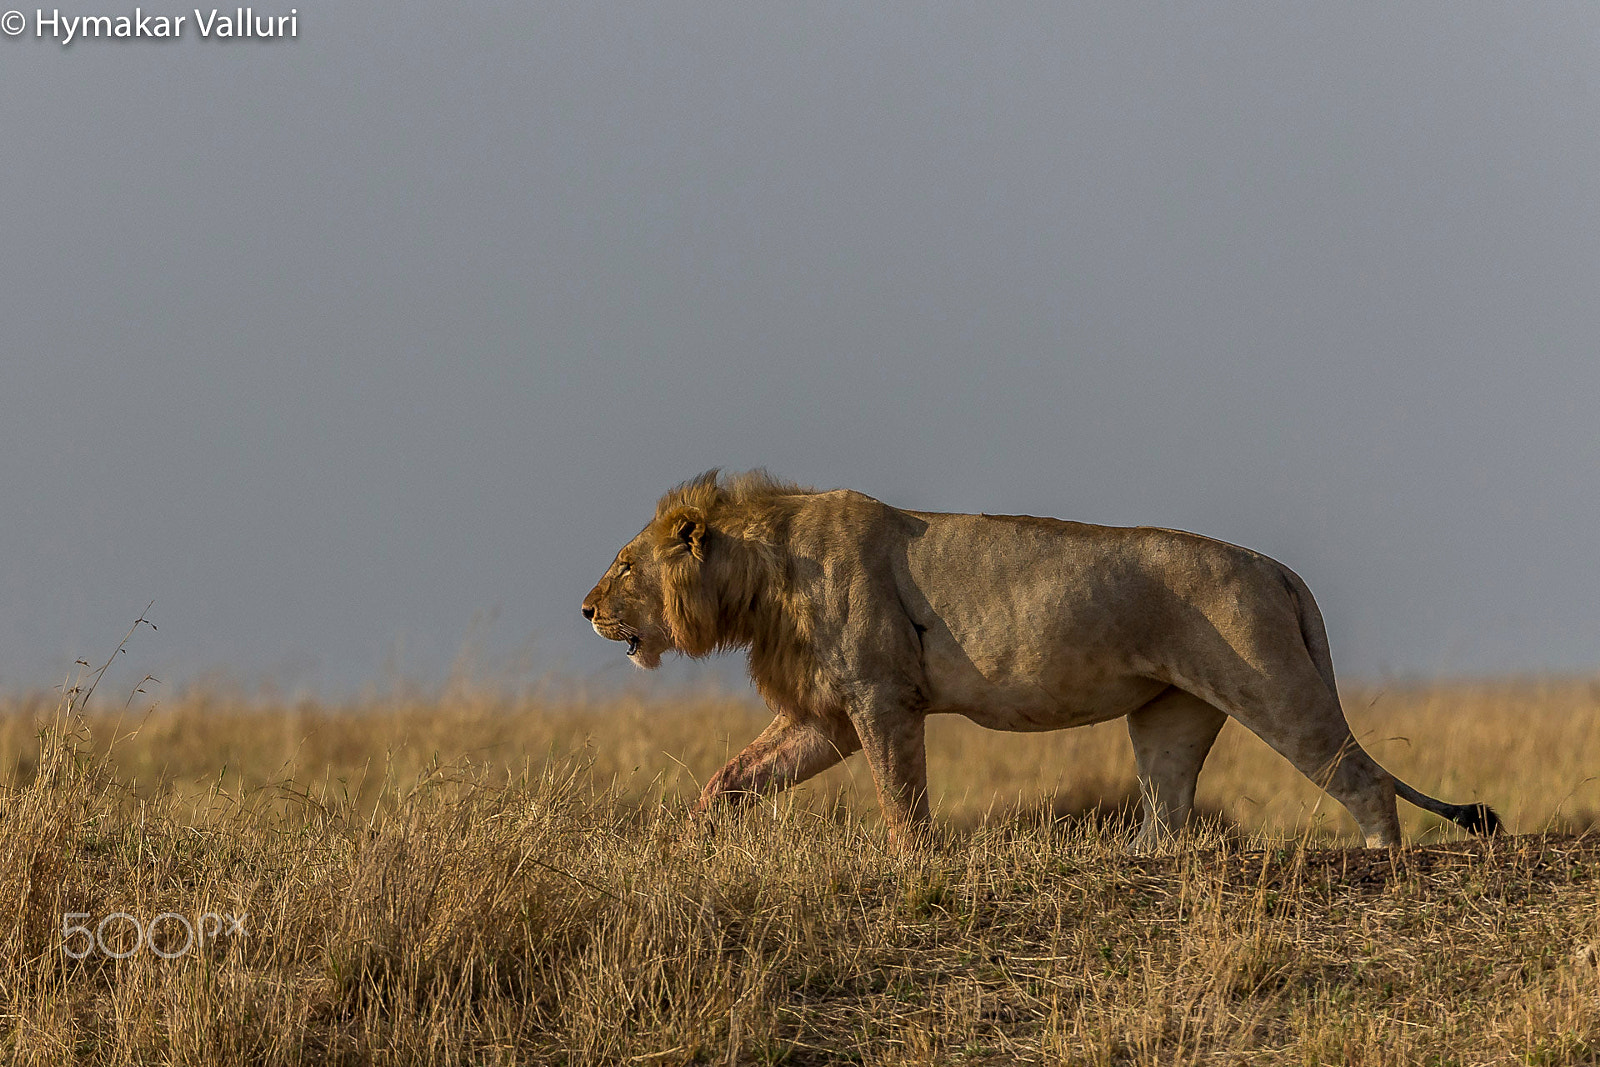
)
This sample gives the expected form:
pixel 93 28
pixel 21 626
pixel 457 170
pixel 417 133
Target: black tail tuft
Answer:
pixel 1476 818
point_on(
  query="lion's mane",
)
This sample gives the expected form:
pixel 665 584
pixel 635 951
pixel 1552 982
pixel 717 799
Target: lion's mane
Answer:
pixel 727 576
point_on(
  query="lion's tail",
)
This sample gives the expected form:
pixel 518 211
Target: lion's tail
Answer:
pixel 1474 818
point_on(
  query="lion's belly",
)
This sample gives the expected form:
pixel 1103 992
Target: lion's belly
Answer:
pixel 1033 624
pixel 1027 693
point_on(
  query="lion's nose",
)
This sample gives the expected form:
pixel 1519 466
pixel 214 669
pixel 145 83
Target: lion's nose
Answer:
pixel 588 613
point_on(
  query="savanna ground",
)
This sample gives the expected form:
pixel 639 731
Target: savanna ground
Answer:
pixel 465 877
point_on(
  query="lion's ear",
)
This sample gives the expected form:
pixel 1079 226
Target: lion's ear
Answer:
pixel 689 530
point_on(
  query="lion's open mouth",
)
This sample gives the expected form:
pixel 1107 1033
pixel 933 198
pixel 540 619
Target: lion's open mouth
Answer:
pixel 633 644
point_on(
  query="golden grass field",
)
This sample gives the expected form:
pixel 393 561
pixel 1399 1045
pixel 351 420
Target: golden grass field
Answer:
pixel 469 877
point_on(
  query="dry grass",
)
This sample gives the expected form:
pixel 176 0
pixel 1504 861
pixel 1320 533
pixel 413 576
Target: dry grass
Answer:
pixel 465 878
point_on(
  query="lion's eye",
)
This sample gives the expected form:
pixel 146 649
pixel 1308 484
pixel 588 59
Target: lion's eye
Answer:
pixel 623 569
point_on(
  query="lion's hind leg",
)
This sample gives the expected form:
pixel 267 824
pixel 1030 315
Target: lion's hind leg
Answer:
pixel 1171 737
pixel 1301 719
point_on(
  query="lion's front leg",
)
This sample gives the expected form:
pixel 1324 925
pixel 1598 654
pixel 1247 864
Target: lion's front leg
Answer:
pixel 894 741
pixel 787 752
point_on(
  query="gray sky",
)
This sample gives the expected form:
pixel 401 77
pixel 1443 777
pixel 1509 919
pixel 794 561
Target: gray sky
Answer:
pixel 332 344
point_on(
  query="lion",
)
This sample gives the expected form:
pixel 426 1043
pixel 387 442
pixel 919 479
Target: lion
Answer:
pixel 860 620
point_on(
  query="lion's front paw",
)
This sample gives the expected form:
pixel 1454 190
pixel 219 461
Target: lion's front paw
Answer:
pixel 699 829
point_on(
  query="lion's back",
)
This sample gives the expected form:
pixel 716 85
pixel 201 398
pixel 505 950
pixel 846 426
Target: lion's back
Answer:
pixel 1036 623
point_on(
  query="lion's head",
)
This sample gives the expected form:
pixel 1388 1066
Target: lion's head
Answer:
pixel 691 580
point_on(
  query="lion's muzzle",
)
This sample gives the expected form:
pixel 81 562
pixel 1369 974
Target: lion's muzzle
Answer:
pixel 612 630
